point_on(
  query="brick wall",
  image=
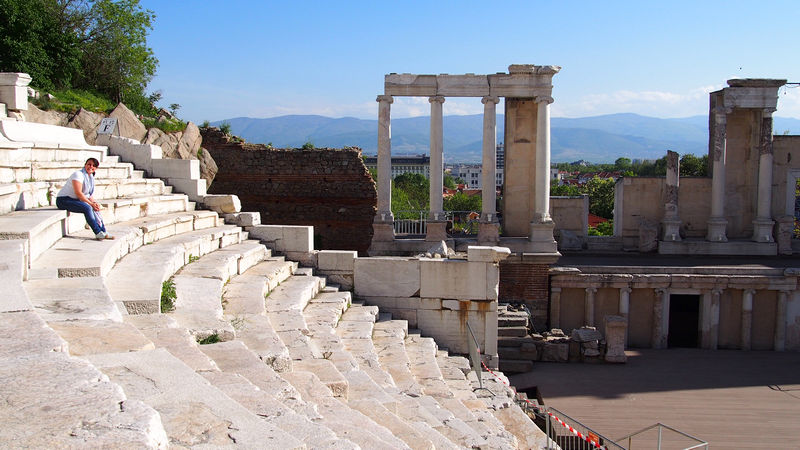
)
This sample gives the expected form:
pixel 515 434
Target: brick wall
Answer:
pixel 329 189
pixel 522 282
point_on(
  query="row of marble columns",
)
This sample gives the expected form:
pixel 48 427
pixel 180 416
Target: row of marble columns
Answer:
pixel 489 226
pixel 709 315
pixel 763 223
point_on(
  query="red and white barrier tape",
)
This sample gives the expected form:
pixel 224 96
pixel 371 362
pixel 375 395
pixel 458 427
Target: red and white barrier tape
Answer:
pixel 539 410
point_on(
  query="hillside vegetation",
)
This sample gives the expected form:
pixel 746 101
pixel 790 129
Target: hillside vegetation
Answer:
pixel 81 48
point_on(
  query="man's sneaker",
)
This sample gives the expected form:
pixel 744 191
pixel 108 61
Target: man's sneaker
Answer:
pixel 101 235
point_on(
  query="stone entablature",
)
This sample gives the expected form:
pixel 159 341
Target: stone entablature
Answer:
pixel 522 81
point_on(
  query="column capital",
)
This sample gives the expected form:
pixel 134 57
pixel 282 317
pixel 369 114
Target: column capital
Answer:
pixel 543 99
pixel 661 291
pixel 385 98
pixel 436 98
pixel 490 98
pixel 749 292
pixel 591 290
pixel 717 291
pixel 768 111
pixel 626 289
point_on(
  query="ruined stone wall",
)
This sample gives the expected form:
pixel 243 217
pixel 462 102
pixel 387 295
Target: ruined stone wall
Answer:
pixel 329 189
pixel 787 171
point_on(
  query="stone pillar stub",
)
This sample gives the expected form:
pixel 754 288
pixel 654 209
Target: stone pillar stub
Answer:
pixel 672 222
pixel 747 319
pixel 588 308
pixel 616 329
pixel 660 318
pixel 14 90
pixel 780 321
pixel 555 307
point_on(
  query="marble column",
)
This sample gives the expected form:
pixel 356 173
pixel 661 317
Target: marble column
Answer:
pixel 763 223
pixel 625 307
pixel 660 318
pixel 383 224
pixel 672 222
pixel 710 320
pixel 747 319
pixel 588 307
pixel 436 227
pixel 489 231
pixel 717 222
pixel 555 307
pixel 780 321
pixel 541 228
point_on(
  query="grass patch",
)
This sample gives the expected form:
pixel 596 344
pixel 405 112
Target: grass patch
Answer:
pixel 70 100
pixel 213 339
pixel 165 125
pixel 193 258
pixel 168 296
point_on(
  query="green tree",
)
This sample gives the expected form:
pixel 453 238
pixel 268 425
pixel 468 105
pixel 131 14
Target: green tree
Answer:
pixel 692 166
pixel 601 196
pixel 449 182
pixel 116 58
pixel 622 164
pixel 463 202
pixel 35 39
pixel 410 192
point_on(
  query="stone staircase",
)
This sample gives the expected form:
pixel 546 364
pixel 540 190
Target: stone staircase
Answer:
pixel 90 359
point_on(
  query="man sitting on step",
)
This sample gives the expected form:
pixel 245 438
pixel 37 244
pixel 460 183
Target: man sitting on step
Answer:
pixel 76 196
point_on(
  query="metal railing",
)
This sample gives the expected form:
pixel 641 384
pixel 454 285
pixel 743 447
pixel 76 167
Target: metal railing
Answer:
pixel 474 354
pixel 569 434
pixel 676 439
pixel 460 223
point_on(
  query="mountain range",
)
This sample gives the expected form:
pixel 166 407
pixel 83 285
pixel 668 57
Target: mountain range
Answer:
pixel 598 139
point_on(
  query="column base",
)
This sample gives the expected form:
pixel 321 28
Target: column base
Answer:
pixel 716 229
pixel 672 230
pixel 436 231
pixel 383 232
pixel 762 230
pixel 541 236
pixel 488 233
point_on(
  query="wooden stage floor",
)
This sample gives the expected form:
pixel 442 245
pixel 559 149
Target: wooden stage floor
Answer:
pixel 731 399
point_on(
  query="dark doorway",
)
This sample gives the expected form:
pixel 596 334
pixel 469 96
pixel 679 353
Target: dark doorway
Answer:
pixel 684 320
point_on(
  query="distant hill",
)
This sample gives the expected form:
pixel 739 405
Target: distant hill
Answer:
pixel 596 139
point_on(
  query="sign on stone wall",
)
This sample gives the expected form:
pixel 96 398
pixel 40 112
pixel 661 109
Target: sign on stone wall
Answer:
pixel 108 126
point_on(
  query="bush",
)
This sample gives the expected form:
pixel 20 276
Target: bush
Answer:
pixel 167 126
pixel 225 127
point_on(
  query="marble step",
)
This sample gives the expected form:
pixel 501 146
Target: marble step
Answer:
pixel 347 422
pixel 194 412
pixel 313 434
pixel 284 307
pixel 518 331
pixel 246 293
pixel 140 290
pixel 256 331
pixel 58 171
pixel 165 333
pixel 79 255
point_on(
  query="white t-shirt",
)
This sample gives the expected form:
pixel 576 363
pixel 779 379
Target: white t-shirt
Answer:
pixel 87 183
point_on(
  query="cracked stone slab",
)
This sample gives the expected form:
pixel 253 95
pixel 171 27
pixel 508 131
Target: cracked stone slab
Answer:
pixel 258 335
pixel 25 333
pixel 84 298
pixel 165 333
pixel 89 337
pixel 72 405
pixel 293 294
pixel 327 373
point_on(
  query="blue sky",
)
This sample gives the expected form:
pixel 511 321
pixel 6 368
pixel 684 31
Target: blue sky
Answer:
pixel 237 58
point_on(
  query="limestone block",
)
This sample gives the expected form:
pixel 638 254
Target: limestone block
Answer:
pixel 648 236
pixel 176 168
pixel 569 240
pixel 343 260
pixel 35 114
pixel 14 90
pixel 586 334
pixel 456 279
pixel 195 189
pixel 285 238
pixel 243 219
pixel 487 254
pixel 616 328
pixel 409 84
pixel 386 277
pixel 468 85
pixel 129 124
pixel 555 352
pixel 223 204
